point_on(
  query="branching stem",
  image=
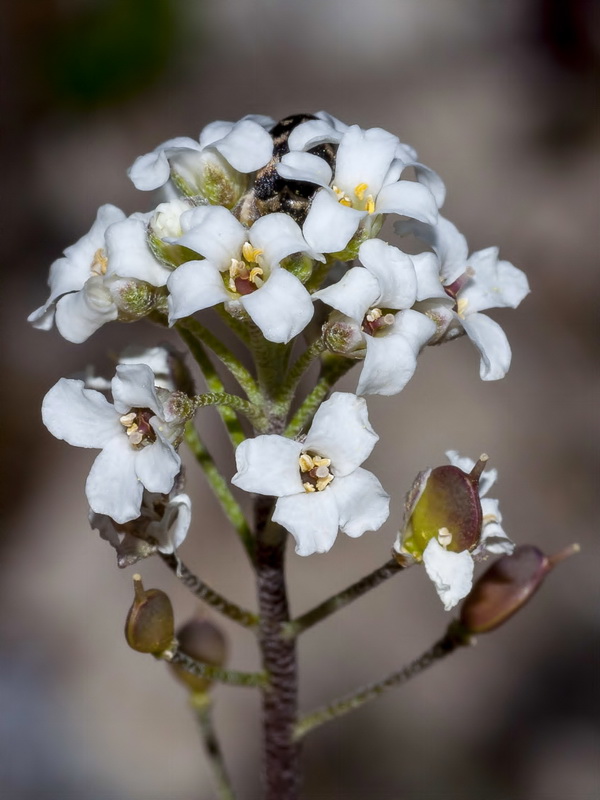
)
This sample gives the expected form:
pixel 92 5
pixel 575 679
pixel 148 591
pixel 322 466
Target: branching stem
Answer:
pixel 210 672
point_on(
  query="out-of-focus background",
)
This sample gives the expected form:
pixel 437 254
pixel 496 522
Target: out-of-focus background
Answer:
pixel 501 99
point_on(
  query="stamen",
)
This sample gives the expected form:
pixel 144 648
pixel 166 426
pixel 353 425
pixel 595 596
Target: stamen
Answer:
pixel 360 190
pixel 461 306
pixel 250 253
pixel 314 472
pixel 99 263
pixel 444 537
pixel 342 197
pixel 370 206
pixel 375 320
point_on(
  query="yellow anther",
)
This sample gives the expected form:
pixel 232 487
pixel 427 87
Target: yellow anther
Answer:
pixel 127 419
pixel 308 487
pixel 374 314
pixel 461 306
pixel 321 462
pixel 99 263
pixel 360 190
pixel 370 206
pixel 255 273
pixel 323 482
pixel 306 462
pixel 250 253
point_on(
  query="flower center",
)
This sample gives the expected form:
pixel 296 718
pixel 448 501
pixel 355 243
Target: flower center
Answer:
pixel 137 426
pixel 362 201
pixel 314 471
pixel 376 321
pixel 99 263
pixel 246 275
pixel 453 289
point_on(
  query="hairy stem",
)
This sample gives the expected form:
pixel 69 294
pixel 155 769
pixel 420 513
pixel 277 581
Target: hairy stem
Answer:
pixel 333 369
pixel 453 639
pixel 298 369
pixel 342 599
pixel 202 707
pixel 220 488
pixel 201 670
pixel 281 753
pixel 233 401
pixel 203 592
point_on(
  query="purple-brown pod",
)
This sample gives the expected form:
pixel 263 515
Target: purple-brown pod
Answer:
pixel 203 641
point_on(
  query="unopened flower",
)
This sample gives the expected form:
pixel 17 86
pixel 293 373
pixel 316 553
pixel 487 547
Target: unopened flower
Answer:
pixel 109 274
pixel 449 522
pixel 319 482
pixel 378 298
pixel 242 267
pixel 475 283
pixel 137 442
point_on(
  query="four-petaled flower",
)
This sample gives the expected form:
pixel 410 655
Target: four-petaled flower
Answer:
pixel 319 482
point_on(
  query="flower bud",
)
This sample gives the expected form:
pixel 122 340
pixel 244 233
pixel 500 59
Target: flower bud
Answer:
pixel 506 586
pixel 163 228
pixel 344 336
pixel 134 299
pixel 150 626
pixel 209 176
pixel 444 504
pixel 203 641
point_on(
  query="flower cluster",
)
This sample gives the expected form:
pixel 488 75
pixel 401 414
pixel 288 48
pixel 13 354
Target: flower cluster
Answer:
pixel 276 225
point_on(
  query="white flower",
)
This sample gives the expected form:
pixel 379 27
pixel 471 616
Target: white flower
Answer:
pixel 319 482
pixel 450 571
pixel 162 525
pixel 475 283
pixel 369 295
pixel 105 272
pixel 224 149
pixel 242 267
pixel 136 441
pixel 365 185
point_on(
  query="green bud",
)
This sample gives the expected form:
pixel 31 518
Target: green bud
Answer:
pixel 150 626
pixel 344 336
pixel 203 641
pixel 300 265
pixel 134 299
pixel 506 586
pixel 447 507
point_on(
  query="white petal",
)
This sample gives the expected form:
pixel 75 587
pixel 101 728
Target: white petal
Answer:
pixel 214 233
pixel 43 317
pixel 129 254
pixel 447 242
pixel 388 366
pixel 214 131
pixel 247 146
pixel 488 476
pixel 281 307
pixel 353 295
pixel 341 431
pixel 452 573
pixel 172 530
pixel 364 157
pixel 193 286
pixel 157 466
pixel 80 416
pixel 278 236
pixel 80 314
pixel 489 338
pixel 415 327
pixel 496 284
pixel 268 465
pixel 311 518
pixel 362 502
pixel 329 226
pixel 394 271
pixel 408 198
pixel 429 284
pixel 493 537
pixel 311 133
pixel 298 166
pixel 133 387
pixel 152 170
pixel 112 486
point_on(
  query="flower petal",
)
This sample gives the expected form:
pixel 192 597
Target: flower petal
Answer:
pixel 133 387
pixel 496 284
pixel 193 286
pixel 488 477
pixel 429 285
pixel 112 486
pixel 489 338
pixel 341 431
pixel 452 573
pixel 213 232
pixel 408 198
pixel 394 271
pixel 278 236
pixel 311 133
pixel 152 170
pixel 157 466
pixel 268 465
pixel 329 226
pixel 447 242
pixel 362 502
pixel 80 416
pixel 281 307
pixel 129 254
pixel 172 530
pixel 311 518
pixel 247 146
pixel 364 157
pixel 389 364
pixel 80 314
pixel 298 166
pixel 353 295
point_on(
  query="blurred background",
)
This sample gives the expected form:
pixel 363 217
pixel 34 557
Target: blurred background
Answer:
pixel 501 99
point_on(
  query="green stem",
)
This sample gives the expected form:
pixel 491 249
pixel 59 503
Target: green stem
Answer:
pixel 298 369
pixel 238 326
pixel 231 677
pixel 271 359
pixel 452 639
pixel 220 488
pixel 214 384
pixel 333 369
pixel 202 706
pixel 204 592
pixel 342 599
pixel 231 401
pixel 225 356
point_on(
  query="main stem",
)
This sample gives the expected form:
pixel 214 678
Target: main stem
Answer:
pixel 281 752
